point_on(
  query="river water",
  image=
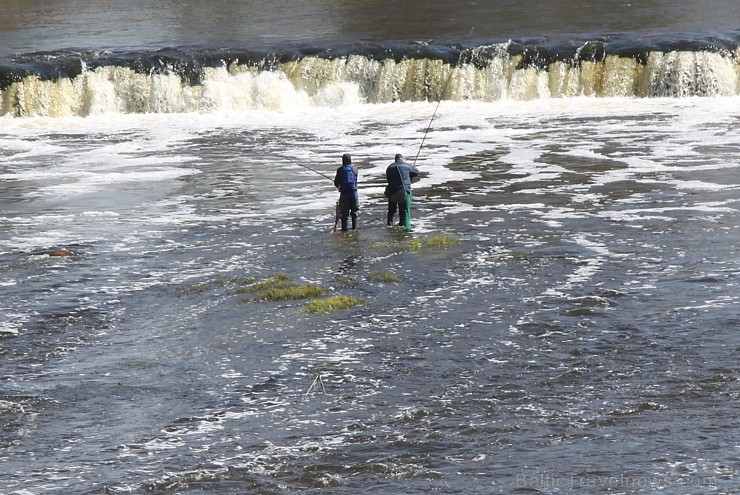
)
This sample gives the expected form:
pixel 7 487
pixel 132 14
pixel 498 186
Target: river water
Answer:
pixel 562 318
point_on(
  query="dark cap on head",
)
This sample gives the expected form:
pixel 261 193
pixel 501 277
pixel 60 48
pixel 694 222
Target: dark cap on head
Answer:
pixel 399 156
pixel 346 159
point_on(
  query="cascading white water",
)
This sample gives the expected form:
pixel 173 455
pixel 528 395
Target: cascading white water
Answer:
pixel 314 81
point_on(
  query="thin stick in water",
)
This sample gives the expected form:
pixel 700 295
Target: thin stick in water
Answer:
pixel 317 384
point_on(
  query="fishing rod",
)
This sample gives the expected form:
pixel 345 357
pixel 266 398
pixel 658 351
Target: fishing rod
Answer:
pixel 444 90
pixel 337 215
pixel 309 168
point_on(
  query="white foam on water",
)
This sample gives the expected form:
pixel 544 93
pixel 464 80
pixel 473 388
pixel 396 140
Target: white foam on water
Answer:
pixel 90 183
pixel 11 326
pixel 131 153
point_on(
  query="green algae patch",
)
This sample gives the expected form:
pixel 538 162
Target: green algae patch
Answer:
pixel 192 289
pixel 384 277
pixel 332 304
pixel 223 282
pixel 432 242
pixel 347 279
pixel 281 287
pixel 387 244
pixel 293 292
pixel 438 241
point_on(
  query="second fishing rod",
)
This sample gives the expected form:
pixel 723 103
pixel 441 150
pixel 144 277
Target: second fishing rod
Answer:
pixel 441 95
pixel 408 197
pixel 431 120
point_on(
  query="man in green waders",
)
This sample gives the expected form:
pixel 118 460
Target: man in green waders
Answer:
pixel 398 191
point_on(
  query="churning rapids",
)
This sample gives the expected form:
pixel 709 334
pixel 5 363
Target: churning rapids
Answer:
pixel 575 332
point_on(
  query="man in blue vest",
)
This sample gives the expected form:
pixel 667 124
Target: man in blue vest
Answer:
pixel 399 175
pixel 346 182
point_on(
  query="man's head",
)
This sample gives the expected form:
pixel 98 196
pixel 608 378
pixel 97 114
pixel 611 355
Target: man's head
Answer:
pixel 346 159
pixel 399 157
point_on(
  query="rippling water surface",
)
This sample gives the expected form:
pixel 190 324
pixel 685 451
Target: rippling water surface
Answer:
pixel 588 311
pixel 563 316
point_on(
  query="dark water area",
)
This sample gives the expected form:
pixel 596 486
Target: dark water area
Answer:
pixel 32 26
pixel 210 31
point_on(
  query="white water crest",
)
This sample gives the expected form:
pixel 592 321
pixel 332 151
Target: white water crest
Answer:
pixel 357 79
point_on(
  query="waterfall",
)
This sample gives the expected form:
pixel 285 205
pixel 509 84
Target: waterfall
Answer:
pixel 486 74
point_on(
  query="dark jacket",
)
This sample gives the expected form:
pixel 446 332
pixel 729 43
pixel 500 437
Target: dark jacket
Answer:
pixel 399 175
